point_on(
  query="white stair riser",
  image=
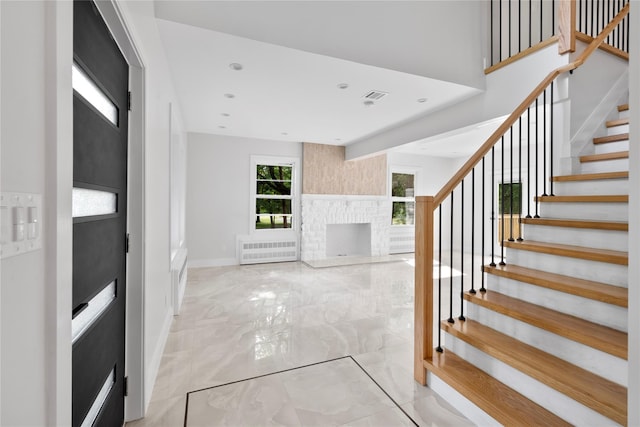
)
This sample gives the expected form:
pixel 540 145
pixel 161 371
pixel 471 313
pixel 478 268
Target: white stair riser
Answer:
pixel 554 401
pixel 623 114
pixel 588 358
pixel 616 130
pixel 605 166
pixel 583 269
pixel 593 187
pixel 594 311
pixel 612 147
pixel 587 211
pixel 600 239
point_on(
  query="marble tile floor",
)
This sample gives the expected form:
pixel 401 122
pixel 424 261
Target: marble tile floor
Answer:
pixel 252 344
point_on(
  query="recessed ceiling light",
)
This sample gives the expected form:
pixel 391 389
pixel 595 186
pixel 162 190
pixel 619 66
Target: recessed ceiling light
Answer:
pixel 235 66
pixel 368 103
pixel 421 100
pixel 222 127
pixel 285 133
pixel 225 114
pixel 229 95
pixel 338 139
pixel 343 85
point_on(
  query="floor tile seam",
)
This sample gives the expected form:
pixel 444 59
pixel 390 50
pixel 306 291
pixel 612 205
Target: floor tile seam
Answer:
pixel 396 404
pixel 384 391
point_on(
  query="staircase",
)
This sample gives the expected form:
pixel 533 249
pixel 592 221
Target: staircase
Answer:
pixel 546 344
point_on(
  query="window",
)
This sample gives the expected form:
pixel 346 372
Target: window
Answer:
pixel 402 198
pixel 509 200
pixel 274 187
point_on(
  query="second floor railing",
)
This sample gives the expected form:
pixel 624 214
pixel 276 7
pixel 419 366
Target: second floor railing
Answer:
pixel 517 27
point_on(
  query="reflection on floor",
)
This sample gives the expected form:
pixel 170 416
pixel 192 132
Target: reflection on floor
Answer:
pixel 246 322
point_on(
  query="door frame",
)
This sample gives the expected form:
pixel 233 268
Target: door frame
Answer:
pixel 58 222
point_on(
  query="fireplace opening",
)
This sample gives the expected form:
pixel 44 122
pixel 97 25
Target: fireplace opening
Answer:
pixel 349 239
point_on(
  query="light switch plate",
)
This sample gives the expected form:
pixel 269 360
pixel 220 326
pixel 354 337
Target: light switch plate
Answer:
pixel 20 223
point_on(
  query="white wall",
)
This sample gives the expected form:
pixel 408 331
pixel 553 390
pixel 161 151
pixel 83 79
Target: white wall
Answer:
pixel 159 95
pixel 218 189
pixel 24 287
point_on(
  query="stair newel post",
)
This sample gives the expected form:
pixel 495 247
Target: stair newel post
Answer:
pixel 450 319
pixel 567 26
pixel 461 250
pixel 423 318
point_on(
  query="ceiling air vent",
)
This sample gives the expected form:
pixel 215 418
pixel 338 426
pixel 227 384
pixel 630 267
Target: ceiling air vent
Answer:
pixel 375 95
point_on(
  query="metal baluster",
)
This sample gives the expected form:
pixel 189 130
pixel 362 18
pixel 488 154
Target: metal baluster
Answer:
pixel 528 162
pixel 482 289
pixel 519 174
pixel 579 16
pixel 473 226
pixel 592 33
pixel 530 21
pixel 450 319
pixel 493 204
pixel 439 348
pixel 544 142
pixel 551 146
pixel 541 19
pixel 500 30
pixel 501 208
pixel 509 10
pixel 519 26
pixel 537 160
pixel 510 187
pixel 492 40
pixel 461 317
pixel 553 18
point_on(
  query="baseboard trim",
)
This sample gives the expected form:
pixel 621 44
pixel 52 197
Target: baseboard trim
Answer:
pixel 154 364
pixel 215 262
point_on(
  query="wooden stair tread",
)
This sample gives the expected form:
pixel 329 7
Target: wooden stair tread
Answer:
pixel 591 334
pixel 623 107
pixel 591 176
pixel 608 198
pixel 504 404
pixel 617 122
pixel 574 223
pixel 571 251
pixel 597 291
pixel 611 138
pixel 601 395
pixel 605 156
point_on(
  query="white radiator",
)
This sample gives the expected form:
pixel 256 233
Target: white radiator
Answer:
pixel 178 279
pixel 402 240
pixel 253 250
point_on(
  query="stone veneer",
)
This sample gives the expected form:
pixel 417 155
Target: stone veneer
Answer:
pixel 320 210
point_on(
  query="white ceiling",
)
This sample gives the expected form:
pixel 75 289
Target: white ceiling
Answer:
pixel 291 94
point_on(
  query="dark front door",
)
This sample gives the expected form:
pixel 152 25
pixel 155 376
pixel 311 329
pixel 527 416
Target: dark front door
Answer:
pixel 100 96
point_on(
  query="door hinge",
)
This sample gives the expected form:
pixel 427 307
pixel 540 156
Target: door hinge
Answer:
pixel 126 244
pixel 126 386
pixel 129 101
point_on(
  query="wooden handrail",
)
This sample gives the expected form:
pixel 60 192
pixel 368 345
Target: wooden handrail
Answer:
pixel 513 117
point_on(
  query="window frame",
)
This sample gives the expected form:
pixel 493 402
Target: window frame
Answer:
pixel 294 162
pixel 407 170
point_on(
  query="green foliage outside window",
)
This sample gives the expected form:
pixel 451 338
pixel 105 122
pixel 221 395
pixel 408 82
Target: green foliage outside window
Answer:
pixel 510 196
pixel 273 211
